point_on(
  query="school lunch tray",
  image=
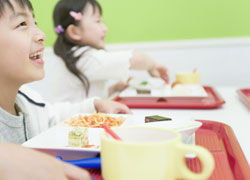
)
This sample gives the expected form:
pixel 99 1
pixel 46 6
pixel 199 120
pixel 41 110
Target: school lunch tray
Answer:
pixel 245 96
pixel 219 139
pixel 212 101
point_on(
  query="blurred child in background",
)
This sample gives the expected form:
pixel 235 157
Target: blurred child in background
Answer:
pixel 86 67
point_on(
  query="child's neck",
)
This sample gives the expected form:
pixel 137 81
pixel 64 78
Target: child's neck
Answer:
pixel 8 99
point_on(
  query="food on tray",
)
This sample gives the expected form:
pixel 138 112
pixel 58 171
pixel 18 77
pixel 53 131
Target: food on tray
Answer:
pixel 174 84
pixel 156 118
pixel 188 90
pixel 147 84
pixel 143 83
pixel 180 89
pixel 143 91
pixel 78 137
pixel 188 77
pixel 94 120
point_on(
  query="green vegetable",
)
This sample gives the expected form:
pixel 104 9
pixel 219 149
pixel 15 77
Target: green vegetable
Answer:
pixel 144 83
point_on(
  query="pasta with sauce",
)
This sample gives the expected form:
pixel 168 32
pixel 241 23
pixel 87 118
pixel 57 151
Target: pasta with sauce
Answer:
pixel 94 120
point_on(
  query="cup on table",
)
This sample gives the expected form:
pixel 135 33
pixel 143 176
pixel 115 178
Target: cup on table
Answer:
pixel 150 153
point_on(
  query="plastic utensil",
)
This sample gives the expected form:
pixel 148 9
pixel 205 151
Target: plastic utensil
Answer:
pixel 110 131
pixel 84 163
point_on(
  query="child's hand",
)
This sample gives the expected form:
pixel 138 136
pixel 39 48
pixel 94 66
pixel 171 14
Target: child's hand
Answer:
pixel 118 87
pixel 22 163
pixel 159 71
pixel 107 106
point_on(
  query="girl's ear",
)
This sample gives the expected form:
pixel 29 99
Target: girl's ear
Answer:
pixel 73 32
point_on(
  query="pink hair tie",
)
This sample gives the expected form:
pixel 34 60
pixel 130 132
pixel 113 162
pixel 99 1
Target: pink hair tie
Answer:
pixel 76 15
pixel 59 29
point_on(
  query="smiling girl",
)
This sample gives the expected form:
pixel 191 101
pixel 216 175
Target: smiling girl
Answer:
pixel 86 66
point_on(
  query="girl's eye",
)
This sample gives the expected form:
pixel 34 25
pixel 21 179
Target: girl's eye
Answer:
pixel 22 24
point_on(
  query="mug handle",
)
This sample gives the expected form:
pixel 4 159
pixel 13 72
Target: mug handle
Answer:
pixel 203 154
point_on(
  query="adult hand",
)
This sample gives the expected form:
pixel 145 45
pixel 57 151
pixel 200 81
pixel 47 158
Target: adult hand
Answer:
pixel 107 106
pixel 21 163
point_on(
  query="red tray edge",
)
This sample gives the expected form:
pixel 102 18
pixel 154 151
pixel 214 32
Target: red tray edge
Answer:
pixel 216 94
pixel 234 148
pixel 219 102
pixel 243 97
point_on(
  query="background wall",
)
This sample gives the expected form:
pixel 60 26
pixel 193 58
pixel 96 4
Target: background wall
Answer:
pixel 161 20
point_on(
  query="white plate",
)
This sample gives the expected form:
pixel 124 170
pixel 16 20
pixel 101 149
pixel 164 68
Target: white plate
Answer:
pixel 188 90
pixel 180 91
pixel 54 141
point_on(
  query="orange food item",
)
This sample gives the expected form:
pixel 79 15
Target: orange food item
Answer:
pixel 174 84
pixel 94 120
pixel 91 146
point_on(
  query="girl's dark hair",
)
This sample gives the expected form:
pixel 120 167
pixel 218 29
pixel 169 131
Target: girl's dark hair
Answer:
pixel 63 45
pixel 22 3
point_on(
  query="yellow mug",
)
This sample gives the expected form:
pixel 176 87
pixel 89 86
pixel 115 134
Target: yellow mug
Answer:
pixel 188 77
pixel 150 153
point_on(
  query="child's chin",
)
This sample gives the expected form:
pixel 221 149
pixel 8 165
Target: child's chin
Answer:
pixel 39 76
pixel 100 47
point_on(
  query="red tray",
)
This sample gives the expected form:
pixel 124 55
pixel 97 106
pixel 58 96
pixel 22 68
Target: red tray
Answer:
pixel 211 102
pixel 245 96
pixel 219 139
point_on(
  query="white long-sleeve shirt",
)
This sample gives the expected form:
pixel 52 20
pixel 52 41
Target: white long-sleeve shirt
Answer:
pixel 98 66
pixel 36 116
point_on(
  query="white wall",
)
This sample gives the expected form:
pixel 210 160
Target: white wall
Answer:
pixel 221 62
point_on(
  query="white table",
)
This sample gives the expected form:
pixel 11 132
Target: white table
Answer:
pixel 233 113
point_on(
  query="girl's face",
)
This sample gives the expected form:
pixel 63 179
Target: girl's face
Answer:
pixel 93 30
pixel 21 46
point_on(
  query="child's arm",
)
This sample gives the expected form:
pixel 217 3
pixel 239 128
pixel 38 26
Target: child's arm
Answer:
pixel 44 115
pixel 142 61
pixel 111 107
pixel 100 65
pixel 118 87
pixel 22 163
pixel 61 111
